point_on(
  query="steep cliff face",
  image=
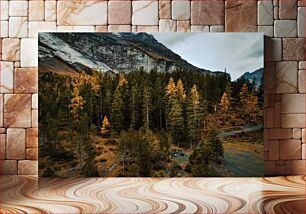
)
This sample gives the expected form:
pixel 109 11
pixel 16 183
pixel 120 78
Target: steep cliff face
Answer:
pixel 116 52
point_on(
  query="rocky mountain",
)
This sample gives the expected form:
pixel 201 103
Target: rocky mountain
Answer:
pixel 109 52
pixel 253 76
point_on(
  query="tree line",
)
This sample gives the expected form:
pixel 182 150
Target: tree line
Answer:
pixel 146 111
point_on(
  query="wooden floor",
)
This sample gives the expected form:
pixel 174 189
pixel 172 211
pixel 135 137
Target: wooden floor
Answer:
pixel 139 195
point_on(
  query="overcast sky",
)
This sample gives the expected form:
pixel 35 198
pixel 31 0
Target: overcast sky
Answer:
pixel 238 52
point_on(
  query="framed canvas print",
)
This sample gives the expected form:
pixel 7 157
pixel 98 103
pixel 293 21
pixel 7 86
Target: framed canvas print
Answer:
pixel 150 104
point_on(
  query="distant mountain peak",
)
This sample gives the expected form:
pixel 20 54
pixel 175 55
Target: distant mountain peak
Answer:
pixel 254 75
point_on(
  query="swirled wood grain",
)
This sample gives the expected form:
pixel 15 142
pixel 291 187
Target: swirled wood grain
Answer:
pixel 149 195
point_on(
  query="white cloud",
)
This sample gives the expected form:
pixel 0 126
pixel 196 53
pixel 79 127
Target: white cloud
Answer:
pixel 238 52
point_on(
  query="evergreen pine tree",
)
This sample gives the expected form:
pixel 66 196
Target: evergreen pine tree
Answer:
pixel 117 117
pixel 194 114
pixel 176 123
pixel 146 107
pixel 133 107
pixel 244 94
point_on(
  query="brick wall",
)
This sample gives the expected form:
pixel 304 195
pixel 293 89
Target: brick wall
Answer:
pixel 282 21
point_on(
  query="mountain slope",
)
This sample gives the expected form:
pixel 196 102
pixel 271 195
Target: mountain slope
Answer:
pixel 116 52
pixel 255 75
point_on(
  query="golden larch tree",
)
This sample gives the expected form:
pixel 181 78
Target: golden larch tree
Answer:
pixel 122 81
pixel 77 102
pixel 171 88
pixel 105 130
pixel 224 103
pixel 180 89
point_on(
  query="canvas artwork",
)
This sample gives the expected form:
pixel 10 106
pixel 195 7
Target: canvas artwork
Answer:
pixel 150 104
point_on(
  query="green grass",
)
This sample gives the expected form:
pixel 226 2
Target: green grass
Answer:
pixel 244 159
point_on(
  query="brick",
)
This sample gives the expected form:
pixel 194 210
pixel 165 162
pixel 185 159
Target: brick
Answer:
pixel 36 27
pixel 303 151
pixel 32 154
pixel 269 78
pixel 18 8
pixel 17 110
pixel 295 167
pixel 2 130
pixel 34 101
pixel 267 30
pixel 145 28
pixel 273 49
pixel 15 144
pixel 101 28
pixel 216 28
pixel 180 10
pixel 50 10
pixel 26 80
pixel 36 10
pixel 301 21
pixel 297 133
pixel 290 149
pixel 32 138
pixel 145 13
pixel 167 25
pixel 274 150
pixel 91 12
pixel 301 3
pixel 239 16
pixel 302 82
pixel 302 65
pixel 293 103
pixel 285 28
pixel 34 118
pixel 199 28
pixel 18 27
pixel 269 118
pixel 75 28
pixel 286 77
pixel 266 140
pixel 29 53
pixel 287 9
pixel 293 49
pixel 6 77
pixel 4 32
pixel 183 26
pixel 280 133
pixel 2 146
pixel 278 114
pixel 269 168
pixel 119 28
pixel 293 120
pixel 8 167
pixel 1 110
pixel 275 13
pixel 304 135
pixel 164 9
pixel 11 49
pixel 207 12
pixel 280 163
pixel 280 170
pixel 265 12
pixel 27 167
pixel 4 9
pixel 119 12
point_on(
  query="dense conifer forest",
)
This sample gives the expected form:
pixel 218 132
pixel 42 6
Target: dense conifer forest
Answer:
pixel 144 123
